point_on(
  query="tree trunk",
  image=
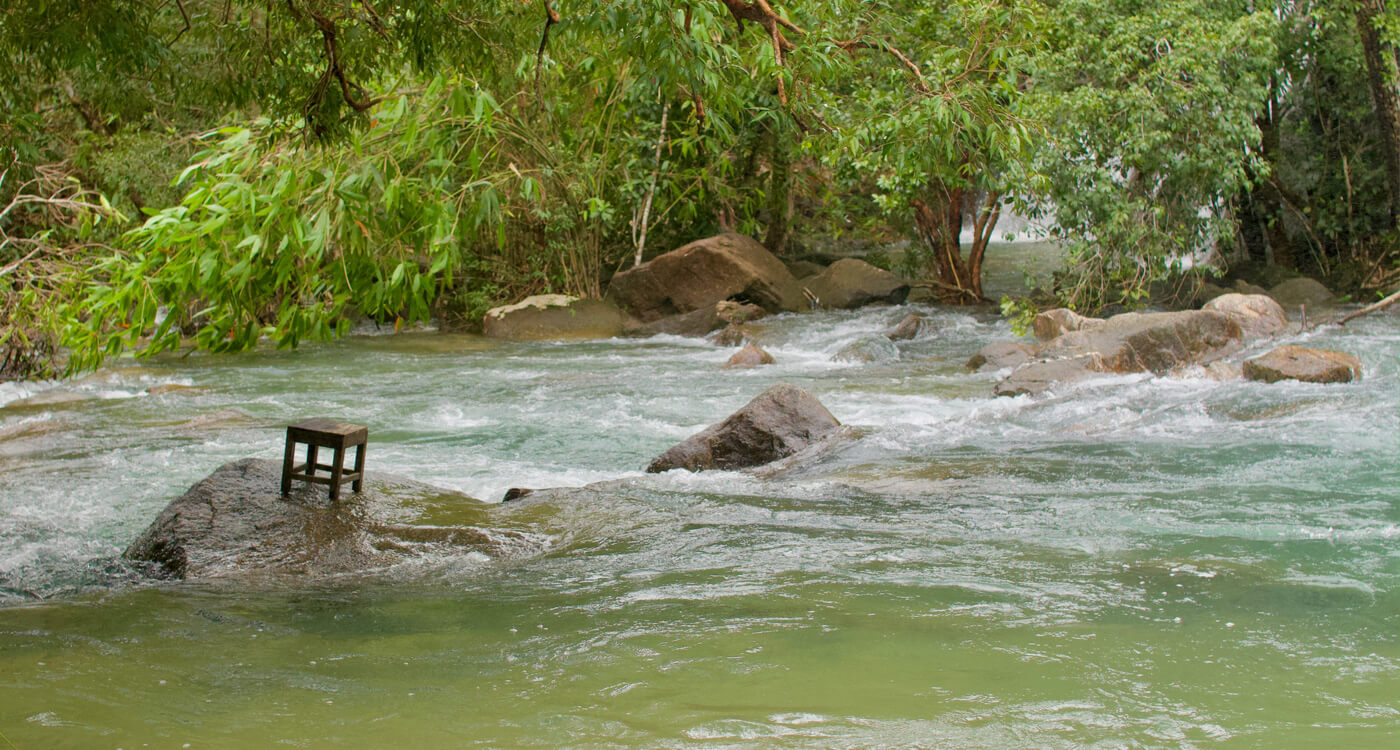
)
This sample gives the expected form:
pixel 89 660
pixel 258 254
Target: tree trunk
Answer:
pixel 1381 74
pixel 779 193
pixel 939 223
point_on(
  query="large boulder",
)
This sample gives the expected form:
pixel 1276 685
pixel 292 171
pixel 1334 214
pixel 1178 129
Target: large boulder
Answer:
pixel 1048 325
pixel 850 283
pixel 1259 315
pixel 1001 354
pixel 1151 342
pixel 1307 365
pixel 699 275
pixel 1295 293
pixel 780 422
pixel 235 522
pixel 553 316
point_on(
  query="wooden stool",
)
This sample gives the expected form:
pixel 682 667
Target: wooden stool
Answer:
pixel 324 433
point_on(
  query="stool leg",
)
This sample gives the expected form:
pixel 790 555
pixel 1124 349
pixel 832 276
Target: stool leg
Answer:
pixel 288 458
pixel 311 450
pixel 359 468
pixel 336 470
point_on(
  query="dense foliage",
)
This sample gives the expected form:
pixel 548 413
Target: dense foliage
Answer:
pixel 214 172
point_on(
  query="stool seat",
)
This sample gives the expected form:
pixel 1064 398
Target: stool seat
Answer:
pixel 325 433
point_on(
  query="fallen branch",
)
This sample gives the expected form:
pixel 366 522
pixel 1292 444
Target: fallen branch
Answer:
pixel 1383 304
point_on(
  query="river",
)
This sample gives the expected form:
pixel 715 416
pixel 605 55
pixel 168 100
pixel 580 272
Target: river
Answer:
pixel 1137 562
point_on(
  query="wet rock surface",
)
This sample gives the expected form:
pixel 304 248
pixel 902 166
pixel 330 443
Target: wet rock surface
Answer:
pixel 907 329
pixel 1001 354
pixel 235 522
pixel 780 422
pixel 1307 365
pixel 749 356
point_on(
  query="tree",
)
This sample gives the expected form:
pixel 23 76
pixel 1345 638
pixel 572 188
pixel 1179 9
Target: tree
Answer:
pixel 1149 107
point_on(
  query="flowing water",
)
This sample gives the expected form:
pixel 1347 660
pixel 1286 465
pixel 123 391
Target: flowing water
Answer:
pixel 1137 562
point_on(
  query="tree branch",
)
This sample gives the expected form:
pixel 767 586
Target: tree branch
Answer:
pixel 551 17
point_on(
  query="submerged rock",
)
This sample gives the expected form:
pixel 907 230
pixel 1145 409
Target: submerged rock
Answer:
pixel 553 316
pixel 234 521
pixel 749 356
pixel 1307 365
pixel 850 283
pixel 868 349
pixel 703 273
pixel 906 329
pixel 1001 354
pixel 1258 315
pixel 780 422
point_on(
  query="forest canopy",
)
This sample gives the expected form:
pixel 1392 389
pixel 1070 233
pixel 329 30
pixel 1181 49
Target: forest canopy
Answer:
pixel 213 172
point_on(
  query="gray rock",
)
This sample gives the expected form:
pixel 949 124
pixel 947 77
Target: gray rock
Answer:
pixel 235 522
pixel 780 422
pixel 553 316
pixel 699 275
pixel 868 349
pixel 1295 293
pixel 1259 315
pixel 906 329
pixel 1307 365
pixel 850 283
pixel 1001 354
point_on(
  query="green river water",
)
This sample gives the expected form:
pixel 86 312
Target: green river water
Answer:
pixel 1136 562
